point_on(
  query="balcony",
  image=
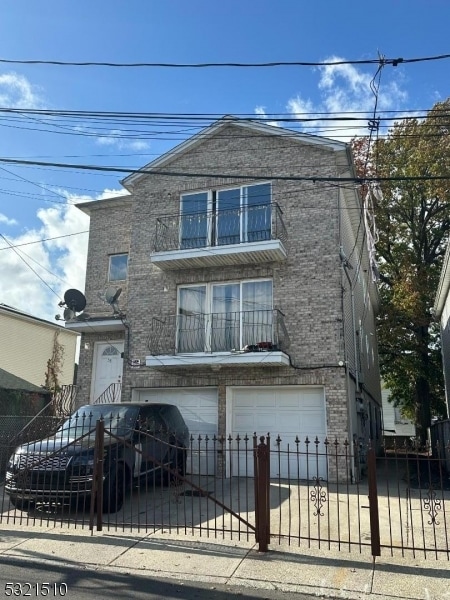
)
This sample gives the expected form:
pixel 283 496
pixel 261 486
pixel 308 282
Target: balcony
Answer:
pixel 249 234
pixel 237 338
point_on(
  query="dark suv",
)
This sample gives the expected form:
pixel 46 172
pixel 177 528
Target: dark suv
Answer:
pixel 140 441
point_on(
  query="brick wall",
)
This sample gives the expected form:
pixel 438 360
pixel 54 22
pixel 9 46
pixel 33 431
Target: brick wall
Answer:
pixel 307 287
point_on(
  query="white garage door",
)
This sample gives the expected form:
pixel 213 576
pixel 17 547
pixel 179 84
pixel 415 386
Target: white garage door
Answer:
pixel 286 411
pixel 199 409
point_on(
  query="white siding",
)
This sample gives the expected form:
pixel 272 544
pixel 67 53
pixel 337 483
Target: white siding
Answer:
pixel 26 346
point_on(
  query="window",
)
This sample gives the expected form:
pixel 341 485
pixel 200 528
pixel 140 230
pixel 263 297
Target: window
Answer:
pixel 219 317
pixel 194 222
pixel 118 267
pixel 223 217
pixel 110 351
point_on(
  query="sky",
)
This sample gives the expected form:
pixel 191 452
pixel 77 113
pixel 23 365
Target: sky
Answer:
pixel 43 236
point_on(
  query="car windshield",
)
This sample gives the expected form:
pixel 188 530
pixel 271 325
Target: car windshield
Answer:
pixel 118 419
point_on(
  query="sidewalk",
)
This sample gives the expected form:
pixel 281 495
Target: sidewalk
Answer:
pixel 321 573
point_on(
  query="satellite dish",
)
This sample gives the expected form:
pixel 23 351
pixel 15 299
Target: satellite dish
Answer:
pixel 112 295
pixel 68 314
pixel 75 300
pixel 84 316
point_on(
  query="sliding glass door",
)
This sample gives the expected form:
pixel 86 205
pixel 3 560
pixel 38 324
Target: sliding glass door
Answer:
pixel 221 317
pixel 225 217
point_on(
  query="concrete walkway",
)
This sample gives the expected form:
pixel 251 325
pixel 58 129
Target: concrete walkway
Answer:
pixel 321 573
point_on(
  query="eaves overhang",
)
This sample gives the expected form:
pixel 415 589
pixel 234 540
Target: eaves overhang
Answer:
pixel 18 314
pixel 95 325
pixel 113 202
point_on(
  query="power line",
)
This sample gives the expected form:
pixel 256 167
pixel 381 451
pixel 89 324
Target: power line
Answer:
pixel 242 176
pixel 394 62
pixel 58 237
pixel 42 187
pixel 127 134
pixel 194 119
pixel 31 268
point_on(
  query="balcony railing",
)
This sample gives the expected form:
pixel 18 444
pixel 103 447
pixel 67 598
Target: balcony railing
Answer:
pixel 244 225
pixel 247 331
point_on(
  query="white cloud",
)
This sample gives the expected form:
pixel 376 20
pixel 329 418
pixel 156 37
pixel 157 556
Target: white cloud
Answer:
pixel 117 138
pixel 299 105
pixel 261 110
pixel 346 90
pixel 60 263
pixel 4 219
pixel 17 92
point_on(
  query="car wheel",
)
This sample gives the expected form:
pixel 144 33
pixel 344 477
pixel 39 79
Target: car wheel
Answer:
pixel 21 503
pixel 114 490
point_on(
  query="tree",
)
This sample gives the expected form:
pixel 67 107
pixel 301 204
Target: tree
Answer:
pixel 413 226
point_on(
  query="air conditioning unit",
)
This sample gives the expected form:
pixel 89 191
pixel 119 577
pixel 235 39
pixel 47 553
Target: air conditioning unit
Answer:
pixel 135 362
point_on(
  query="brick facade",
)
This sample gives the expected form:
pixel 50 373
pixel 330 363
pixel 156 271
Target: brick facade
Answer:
pixel 308 287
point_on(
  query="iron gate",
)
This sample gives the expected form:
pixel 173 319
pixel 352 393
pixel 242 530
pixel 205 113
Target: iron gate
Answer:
pixel 326 494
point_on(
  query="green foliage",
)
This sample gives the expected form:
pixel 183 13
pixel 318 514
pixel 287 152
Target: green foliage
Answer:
pixel 413 222
pixel 20 402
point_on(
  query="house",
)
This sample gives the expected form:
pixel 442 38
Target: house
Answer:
pixel 29 343
pixel 247 292
pixel 397 429
pixel 441 313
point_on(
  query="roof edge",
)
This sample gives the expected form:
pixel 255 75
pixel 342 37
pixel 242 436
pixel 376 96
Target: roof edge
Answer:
pixel 209 131
pixel 87 207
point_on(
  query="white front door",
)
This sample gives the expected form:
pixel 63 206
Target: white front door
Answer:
pixel 108 367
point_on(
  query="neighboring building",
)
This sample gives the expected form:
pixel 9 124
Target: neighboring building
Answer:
pixel 28 343
pixel 248 296
pixel 396 427
pixel 441 312
pixel 19 397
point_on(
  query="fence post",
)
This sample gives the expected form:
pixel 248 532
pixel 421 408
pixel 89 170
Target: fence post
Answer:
pixel 262 496
pixel 255 483
pixel 97 478
pixel 373 502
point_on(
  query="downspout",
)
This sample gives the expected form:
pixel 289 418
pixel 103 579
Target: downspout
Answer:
pixel 126 355
pixel 345 265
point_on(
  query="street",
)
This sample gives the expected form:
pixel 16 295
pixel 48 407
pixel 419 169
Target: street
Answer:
pixel 76 583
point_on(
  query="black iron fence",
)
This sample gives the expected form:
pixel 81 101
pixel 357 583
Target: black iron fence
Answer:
pixel 305 492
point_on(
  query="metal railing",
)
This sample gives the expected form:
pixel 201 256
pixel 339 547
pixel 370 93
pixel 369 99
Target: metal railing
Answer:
pixel 243 225
pixel 299 492
pixel 113 393
pixel 246 331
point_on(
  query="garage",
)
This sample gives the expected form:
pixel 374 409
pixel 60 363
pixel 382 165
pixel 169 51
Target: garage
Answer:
pixel 199 409
pixel 287 411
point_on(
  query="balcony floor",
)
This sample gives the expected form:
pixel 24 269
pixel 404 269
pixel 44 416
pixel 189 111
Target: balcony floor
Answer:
pixel 266 359
pixel 217 256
